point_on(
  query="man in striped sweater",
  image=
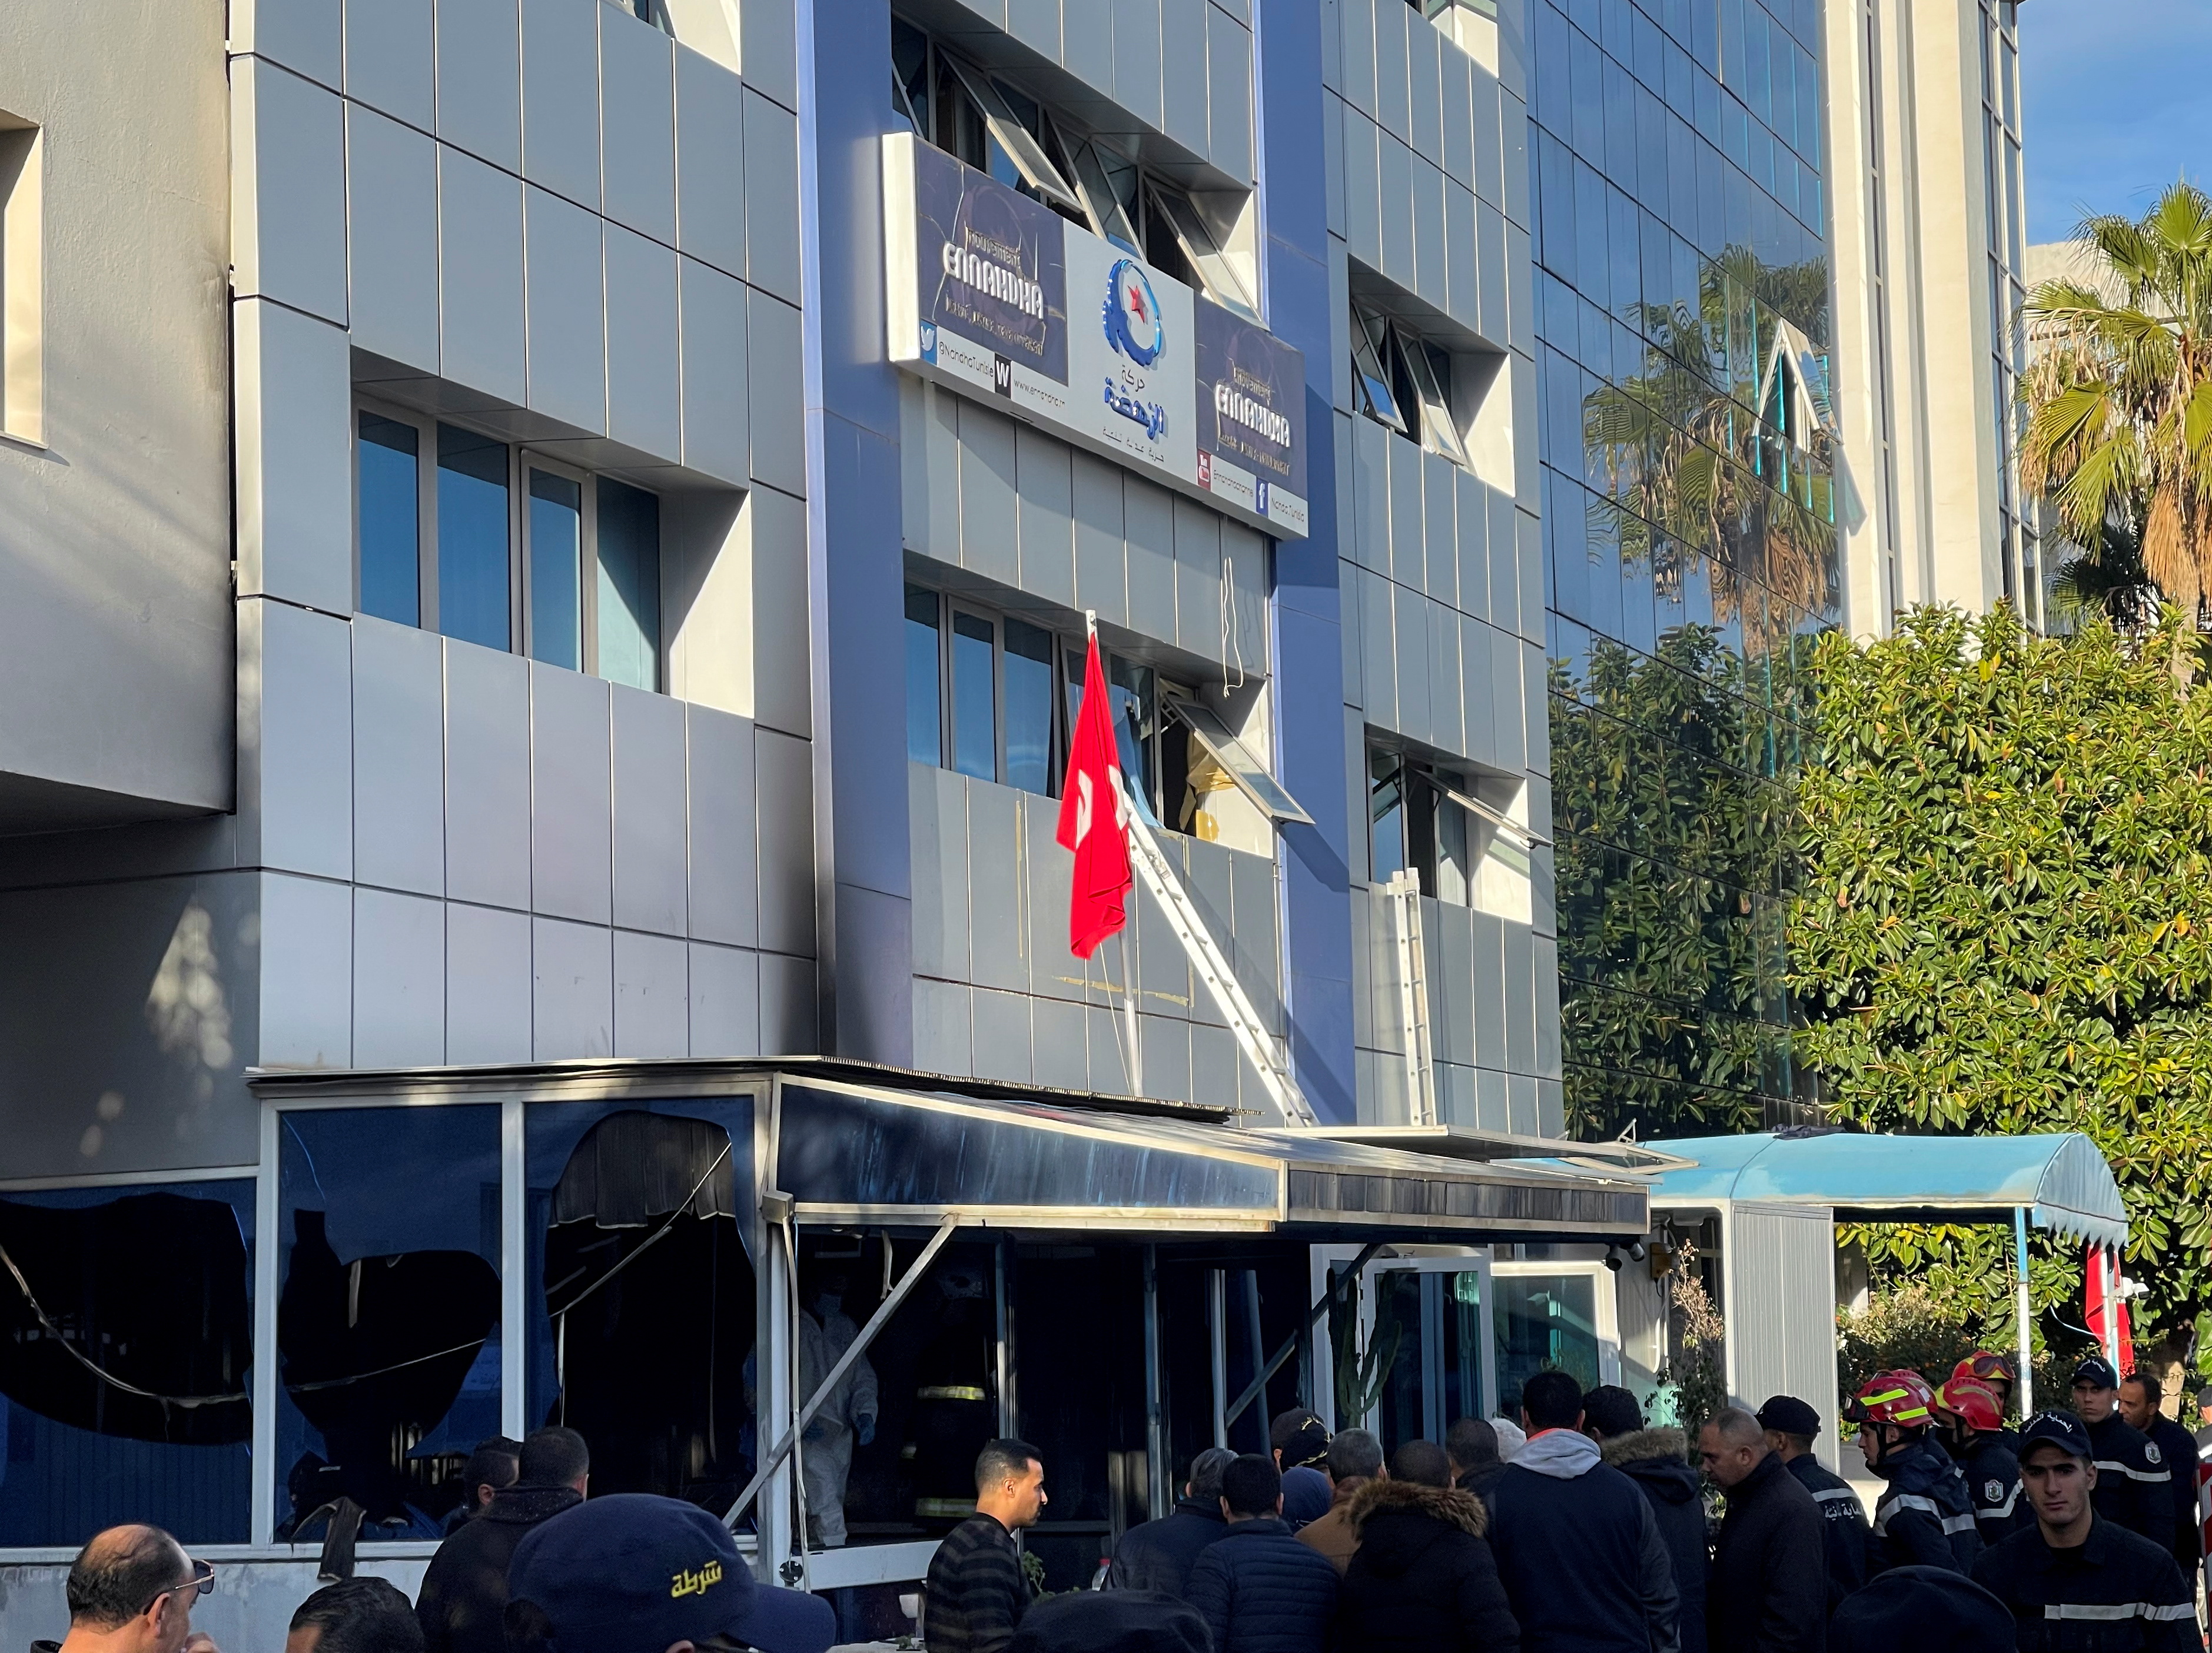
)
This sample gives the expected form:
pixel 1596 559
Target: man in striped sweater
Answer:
pixel 975 1591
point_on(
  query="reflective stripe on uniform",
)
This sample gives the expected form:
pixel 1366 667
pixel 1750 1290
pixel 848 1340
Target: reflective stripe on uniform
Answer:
pixel 2165 1476
pixel 1836 1495
pixel 2003 1511
pixel 1954 1524
pixel 949 1392
pixel 2121 1610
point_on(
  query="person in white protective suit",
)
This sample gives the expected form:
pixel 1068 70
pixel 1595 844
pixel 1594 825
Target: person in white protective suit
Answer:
pixel 825 1332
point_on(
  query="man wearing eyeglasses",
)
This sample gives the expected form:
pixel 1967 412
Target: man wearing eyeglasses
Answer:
pixel 131 1590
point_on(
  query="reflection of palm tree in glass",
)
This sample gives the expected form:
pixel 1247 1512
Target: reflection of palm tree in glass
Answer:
pixel 1683 467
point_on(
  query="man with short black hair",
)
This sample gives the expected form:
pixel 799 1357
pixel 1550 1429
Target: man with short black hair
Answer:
pixel 464 1594
pixel 1259 1590
pixel 1298 1439
pixel 1769 1591
pixel 2134 1483
pixel 495 1463
pixel 1791 1426
pixel 1579 1550
pixel 354 1615
pixel 976 1592
pixel 131 1590
pixel 2079 1580
pixel 1157 1555
pixel 2140 1395
pixel 1472 1445
pixel 1355 1457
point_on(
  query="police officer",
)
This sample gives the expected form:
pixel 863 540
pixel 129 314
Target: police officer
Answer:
pixel 1790 1426
pixel 2139 1395
pixel 1966 1410
pixel 1924 1516
pixel 2078 1583
pixel 2134 1483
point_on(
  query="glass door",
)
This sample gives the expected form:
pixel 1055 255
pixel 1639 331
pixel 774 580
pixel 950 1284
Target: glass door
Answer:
pixel 1410 1349
pixel 1552 1316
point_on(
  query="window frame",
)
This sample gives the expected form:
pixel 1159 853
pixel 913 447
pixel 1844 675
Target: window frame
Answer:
pixel 1388 359
pixel 522 458
pixel 1422 833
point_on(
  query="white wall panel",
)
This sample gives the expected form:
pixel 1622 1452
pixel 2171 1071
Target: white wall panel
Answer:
pixel 399 756
pixel 391 47
pixel 1393 110
pixel 724 997
pixel 392 245
pixel 782 693
pixel 783 792
pixel 767 40
pixel 637 119
pixel 1043 470
pixel 651 995
pixel 294 455
pixel 1137 59
pixel 573 990
pixel 649 787
pixel 776 390
pixel 567 291
pixel 288 190
pixel 1148 514
pixel 1183 70
pixel 480 78
pixel 398 980
pixel 481 337
pixel 724 854
pixel 788 1023
pixel 1002 1036
pixel 1228 97
pixel 710 162
pixel 303 760
pixel 306 973
pixel 1457 109
pixel 571 808
pixel 937 835
pixel 487 984
pixel 487 776
pixel 771 168
pixel 561 98
pixel 943 1035
pixel 1102 565
pixel 644 378
pixel 988 522
pixel 717 422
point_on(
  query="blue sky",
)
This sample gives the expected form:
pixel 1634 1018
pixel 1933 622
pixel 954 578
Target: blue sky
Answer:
pixel 2117 98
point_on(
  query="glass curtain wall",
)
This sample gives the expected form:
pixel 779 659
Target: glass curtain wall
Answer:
pixel 1682 320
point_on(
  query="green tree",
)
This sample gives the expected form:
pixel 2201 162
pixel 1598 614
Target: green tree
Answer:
pixel 2119 428
pixel 2005 920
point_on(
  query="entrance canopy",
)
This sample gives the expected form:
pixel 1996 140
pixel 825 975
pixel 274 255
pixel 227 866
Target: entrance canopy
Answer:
pixel 2060 1181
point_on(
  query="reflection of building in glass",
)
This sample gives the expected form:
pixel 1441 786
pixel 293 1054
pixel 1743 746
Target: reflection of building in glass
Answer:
pixel 1691 503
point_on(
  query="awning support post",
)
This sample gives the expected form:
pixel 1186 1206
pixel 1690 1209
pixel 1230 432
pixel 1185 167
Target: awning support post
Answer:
pixel 1290 1344
pixel 1217 1334
pixel 2021 1309
pixel 1159 1498
pixel 858 1347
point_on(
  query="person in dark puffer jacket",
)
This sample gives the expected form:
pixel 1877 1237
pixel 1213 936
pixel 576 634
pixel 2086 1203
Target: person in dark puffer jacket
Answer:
pixel 1658 1461
pixel 1422 1580
pixel 1258 1589
pixel 1157 1555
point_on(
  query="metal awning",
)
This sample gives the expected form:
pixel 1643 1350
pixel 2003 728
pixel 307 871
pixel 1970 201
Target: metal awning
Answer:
pixel 2060 1181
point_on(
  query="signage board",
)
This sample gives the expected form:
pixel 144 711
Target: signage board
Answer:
pixel 1000 298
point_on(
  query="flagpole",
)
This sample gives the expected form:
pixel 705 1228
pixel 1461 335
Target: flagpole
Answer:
pixel 1128 929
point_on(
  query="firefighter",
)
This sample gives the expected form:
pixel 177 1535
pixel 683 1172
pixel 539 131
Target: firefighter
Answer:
pixel 1998 1371
pixel 1967 1411
pixel 2076 1582
pixel 2135 1482
pixel 1924 1516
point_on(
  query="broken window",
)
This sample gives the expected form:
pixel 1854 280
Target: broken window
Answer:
pixel 387 1321
pixel 125 1343
pixel 642 1293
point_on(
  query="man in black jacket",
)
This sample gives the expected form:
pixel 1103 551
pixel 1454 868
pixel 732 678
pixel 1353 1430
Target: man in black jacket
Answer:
pixel 1422 1580
pixel 1769 1591
pixel 463 1592
pixel 1578 1549
pixel 1790 1426
pixel 2078 1582
pixel 1658 1461
pixel 1157 1555
pixel 2135 1484
pixel 1924 1517
pixel 2139 1395
pixel 1471 1445
pixel 1259 1590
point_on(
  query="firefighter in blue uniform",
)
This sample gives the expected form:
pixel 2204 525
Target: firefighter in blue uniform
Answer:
pixel 2078 1582
pixel 1923 1516
pixel 1967 1411
pixel 2134 1483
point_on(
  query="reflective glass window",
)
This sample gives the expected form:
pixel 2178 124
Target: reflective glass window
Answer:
pixel 975 697
pixel 629 590
pixel 1544 1323
pixel 556 556
pixel 924 735
pixel 473 603
pixel 1028 688
pixel 388 504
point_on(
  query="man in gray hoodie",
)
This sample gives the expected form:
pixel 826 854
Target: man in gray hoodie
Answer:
pixel 1578 1549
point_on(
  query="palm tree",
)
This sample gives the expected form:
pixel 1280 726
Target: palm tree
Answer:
pixel 2119 394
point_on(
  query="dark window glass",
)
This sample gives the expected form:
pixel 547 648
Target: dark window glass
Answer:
pixel 974 709
pixel 556 555
pixel 390 520
pixel 473 602
pixel 628 592
pixel 1386 814
pixel 1028 707
pixel 924 742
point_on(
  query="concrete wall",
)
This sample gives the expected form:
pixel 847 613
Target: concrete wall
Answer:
pixel 115 652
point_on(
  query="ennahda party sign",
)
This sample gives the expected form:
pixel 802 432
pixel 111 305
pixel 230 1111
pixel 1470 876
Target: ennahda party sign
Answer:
pixel 1002 299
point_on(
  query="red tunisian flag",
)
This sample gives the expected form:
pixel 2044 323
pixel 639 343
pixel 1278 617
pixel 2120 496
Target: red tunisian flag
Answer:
pixel 1090 820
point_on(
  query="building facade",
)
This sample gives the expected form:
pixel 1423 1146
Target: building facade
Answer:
pixel 1691 491
pixel 558 531
pixel 1924 120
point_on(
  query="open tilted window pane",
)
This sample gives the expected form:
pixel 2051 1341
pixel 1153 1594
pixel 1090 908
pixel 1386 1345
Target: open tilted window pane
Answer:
pixel 1020 145
pixel 1224 284
pixel 1238 761
pixel 1439 431
pixel 1369 377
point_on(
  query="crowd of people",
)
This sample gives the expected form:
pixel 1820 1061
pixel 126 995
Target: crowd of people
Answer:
pixel 1582 1530
pixel 1577 1530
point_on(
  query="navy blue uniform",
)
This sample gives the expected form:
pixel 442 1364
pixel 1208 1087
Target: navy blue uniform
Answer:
pixel 1924 1516
pixel 2135 1484
pixel 2176 1453
pixel 1845 1523
pixel 1991 1471
pixel 2117 1593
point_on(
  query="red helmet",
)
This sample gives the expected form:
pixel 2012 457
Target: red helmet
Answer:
pixel 1972 1402
pixel 1988 1367
pixel 1892 1397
